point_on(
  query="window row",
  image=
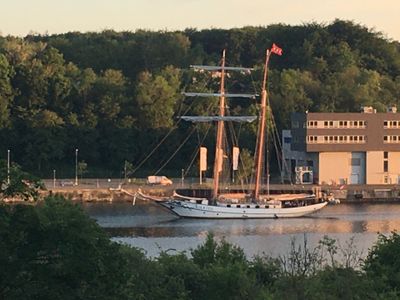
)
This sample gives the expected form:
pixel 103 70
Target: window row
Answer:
pixel 336 139
pixel 337 124
pixel 391 124
pixel 391 139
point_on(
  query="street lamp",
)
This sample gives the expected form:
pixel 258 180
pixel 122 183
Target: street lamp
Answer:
pixel 8 166
pixel 54 178
pixel 76 166
pixel 125 171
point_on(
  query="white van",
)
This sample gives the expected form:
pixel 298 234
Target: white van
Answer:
pixel 162 180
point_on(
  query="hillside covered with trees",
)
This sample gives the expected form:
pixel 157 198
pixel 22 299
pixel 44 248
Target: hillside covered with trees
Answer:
pixel 115 95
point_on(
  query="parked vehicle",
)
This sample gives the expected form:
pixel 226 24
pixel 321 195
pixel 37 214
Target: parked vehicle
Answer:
pixel 162 180
pixel 66 183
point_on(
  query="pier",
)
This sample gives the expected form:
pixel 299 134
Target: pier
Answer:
pixel 117 190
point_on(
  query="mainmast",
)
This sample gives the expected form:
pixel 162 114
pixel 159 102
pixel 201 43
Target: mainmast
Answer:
pixel 261 134
pixel 263 119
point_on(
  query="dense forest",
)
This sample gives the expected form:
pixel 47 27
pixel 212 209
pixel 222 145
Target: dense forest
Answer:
pixel 53 250
pixel 116 95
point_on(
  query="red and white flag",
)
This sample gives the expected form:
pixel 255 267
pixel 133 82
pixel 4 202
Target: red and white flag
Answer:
pixel 275 49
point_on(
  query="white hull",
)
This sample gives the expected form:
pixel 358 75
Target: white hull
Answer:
pixel 188 209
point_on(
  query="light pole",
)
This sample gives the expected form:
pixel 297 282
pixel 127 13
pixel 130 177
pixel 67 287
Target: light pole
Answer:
pixel 8 166
pixel 125 171
pixel 54 178
pixel 76 166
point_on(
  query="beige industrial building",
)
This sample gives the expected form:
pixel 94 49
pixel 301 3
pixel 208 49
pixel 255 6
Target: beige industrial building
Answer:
pixel 344 148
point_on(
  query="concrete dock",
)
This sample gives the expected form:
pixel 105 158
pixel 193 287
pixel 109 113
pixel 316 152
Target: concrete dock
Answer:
pixel 117 190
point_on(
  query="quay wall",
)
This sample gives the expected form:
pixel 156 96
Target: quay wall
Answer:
pixel 345 193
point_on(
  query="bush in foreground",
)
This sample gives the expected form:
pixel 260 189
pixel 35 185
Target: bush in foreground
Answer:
pixel 53 250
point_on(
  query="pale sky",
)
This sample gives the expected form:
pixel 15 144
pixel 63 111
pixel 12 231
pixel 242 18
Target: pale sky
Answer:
pixel 20 17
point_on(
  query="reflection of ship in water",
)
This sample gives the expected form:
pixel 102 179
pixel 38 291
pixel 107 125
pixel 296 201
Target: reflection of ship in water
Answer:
pixel 148 221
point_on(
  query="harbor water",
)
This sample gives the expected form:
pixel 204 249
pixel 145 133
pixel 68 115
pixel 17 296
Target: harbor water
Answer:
pixel 150 227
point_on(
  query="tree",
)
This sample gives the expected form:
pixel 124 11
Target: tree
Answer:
pixel 383 263
pixel 246 166
pixel 16 184
pixel 82 168
pixel 55 251
pixel 156 97
pixel 6 91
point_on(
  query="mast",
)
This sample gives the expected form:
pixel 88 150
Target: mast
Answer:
pixel 220 118
pixel 261 134
pixel 220 130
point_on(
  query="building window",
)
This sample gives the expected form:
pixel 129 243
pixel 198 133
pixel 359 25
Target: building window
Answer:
pixel 385 166
pixel 385 155
pixel 385 123
pixel 385 138
pixel 330 123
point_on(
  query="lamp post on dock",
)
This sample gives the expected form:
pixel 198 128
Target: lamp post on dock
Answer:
pixel 76 166
pixel 8 166
pixel 54 179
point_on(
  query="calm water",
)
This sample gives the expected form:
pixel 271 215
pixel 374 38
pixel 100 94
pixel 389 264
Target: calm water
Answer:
pixel 152 228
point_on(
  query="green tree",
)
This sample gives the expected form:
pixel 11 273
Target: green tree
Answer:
pixel 383 263
pixel 55 251
pixel 156 97
pixel 246 166
pixel 6 91
pixel 16 184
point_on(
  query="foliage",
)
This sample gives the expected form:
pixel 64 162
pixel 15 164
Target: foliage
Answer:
pixel 17 184
pixel 53 250
pixel 112 94
pixel 383 263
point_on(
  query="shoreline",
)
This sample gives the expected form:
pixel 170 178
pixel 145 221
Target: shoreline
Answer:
pixel 348 193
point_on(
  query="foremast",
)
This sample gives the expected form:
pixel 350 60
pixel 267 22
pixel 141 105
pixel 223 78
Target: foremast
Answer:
pixel 220 129
pixel 221 118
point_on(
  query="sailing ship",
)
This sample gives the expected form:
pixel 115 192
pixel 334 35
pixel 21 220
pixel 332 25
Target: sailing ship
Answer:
pixel 225 206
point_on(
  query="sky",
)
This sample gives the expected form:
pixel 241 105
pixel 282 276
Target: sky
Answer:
pixel 20 17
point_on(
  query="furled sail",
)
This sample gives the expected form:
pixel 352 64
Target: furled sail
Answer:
pixel 198 119
pixel 220 68
pixel 252 96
